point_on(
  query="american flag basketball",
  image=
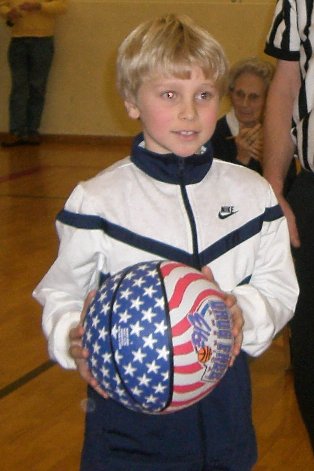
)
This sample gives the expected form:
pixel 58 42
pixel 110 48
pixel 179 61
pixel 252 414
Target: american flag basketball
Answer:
pixel 159 336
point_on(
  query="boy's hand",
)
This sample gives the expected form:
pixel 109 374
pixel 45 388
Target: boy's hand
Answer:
pixel 236 313
pixel 80 354
pixel 237 324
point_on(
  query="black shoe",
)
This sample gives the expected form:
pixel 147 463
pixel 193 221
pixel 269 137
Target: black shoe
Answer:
pixel 13 141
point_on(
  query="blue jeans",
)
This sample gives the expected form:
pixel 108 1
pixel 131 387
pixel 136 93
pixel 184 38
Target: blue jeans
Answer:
pixel 30 61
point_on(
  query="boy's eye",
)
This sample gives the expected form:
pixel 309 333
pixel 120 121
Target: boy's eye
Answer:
pixel 205 95
pixel 169 94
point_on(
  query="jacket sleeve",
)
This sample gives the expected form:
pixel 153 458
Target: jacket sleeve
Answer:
pixel 73 275
pixel 269 299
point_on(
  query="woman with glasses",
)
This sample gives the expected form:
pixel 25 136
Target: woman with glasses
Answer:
pixel 238 137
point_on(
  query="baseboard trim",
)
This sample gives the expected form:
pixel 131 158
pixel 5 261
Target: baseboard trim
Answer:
pixel 82 139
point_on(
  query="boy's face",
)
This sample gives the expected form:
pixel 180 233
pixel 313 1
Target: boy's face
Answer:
pixel 178 115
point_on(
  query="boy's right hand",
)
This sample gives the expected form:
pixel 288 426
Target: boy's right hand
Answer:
pixel 80 354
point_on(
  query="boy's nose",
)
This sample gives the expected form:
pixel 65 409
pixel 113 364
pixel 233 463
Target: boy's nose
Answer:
pixel 188 110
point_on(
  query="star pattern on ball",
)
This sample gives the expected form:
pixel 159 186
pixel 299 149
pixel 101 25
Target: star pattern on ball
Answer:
pixel 128 339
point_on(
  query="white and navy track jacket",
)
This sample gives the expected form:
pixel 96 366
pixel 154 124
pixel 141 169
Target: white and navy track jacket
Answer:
pixel 194 210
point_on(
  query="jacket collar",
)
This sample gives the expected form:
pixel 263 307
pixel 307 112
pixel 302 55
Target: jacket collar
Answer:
pixel 170 168
pixel 232 122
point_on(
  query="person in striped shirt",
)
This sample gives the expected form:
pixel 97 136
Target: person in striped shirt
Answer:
pixel 289 131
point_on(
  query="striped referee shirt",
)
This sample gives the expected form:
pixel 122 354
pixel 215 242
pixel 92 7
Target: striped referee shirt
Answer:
pixel 291 38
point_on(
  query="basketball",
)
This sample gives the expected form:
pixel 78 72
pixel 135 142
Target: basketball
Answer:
pixel 159 337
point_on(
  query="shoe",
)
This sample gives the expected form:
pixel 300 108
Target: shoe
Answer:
pixel 13 140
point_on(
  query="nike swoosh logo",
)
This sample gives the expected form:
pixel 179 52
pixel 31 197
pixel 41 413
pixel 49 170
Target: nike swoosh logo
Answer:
pixel 224 215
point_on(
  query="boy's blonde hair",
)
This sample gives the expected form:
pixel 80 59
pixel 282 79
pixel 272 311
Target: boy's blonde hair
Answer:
pixel 168 46
pixel 253 65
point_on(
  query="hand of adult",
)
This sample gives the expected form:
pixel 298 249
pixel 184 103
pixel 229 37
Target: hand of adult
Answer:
pixel 249 144
pixel 30 6
pixel 13 14
pixel 292 226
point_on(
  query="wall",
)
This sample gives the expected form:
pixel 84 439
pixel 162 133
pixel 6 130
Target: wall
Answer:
pixel 82 99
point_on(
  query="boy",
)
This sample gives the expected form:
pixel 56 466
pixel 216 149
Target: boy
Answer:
pixel 171 200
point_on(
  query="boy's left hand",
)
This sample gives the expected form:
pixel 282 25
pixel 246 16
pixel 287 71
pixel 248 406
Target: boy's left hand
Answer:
pixel 236 313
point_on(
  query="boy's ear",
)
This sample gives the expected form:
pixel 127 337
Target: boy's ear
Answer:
pixel 132 109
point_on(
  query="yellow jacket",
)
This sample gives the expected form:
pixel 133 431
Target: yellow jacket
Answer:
pixel 36 23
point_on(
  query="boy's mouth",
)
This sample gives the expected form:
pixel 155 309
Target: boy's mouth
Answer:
pixel 186 133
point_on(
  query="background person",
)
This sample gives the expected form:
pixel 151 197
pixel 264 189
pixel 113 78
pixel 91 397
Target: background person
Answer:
pixel 238 136
pixel 289 130
pixel 30 55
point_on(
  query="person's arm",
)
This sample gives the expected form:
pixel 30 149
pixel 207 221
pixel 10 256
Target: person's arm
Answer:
pixel 4 8
pixel 72 276
pixel 268 300
pixel 53 7
pixel 278 144
pixel 8 12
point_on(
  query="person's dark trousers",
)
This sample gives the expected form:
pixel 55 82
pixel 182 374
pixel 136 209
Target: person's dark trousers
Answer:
pixel 301 198
pixel 215 434
pixel 30 61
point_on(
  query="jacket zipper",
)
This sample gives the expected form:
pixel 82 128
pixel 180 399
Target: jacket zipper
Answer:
pixel 197 265
pixel 188 208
